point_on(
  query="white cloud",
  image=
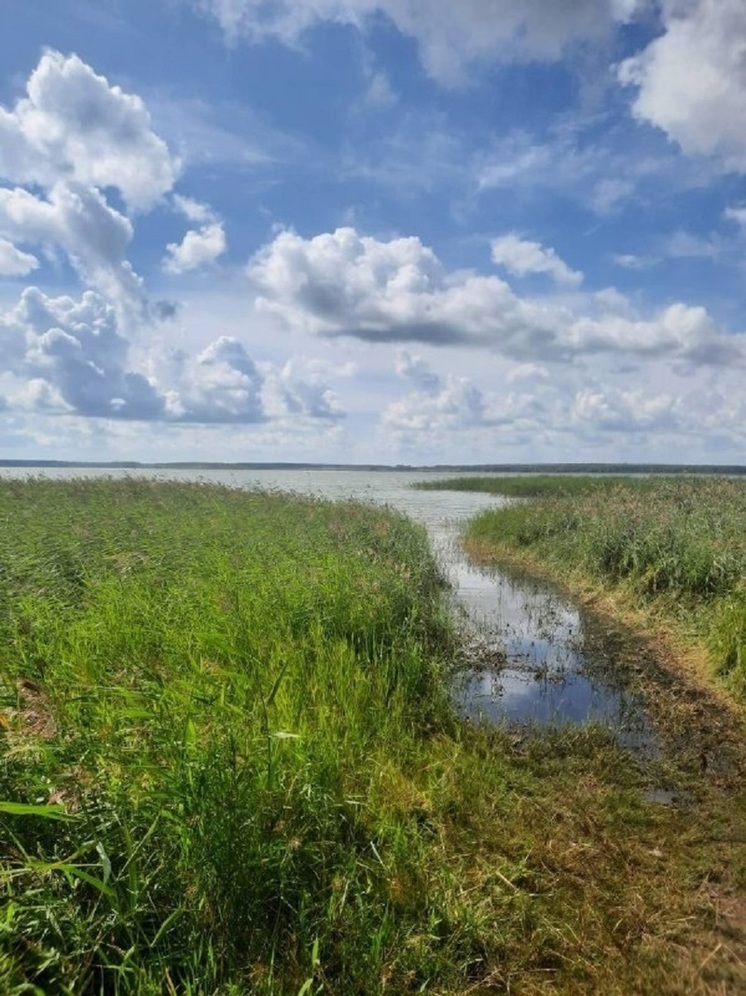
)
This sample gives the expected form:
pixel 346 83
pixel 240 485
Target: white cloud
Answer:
pixel 199 247
pixel 626 411
pixel 417 370
pixel 632 261
pixel 13 262
pixel 73 125
pixel 737 214
pixel 449 35
pixel 193 210
pixel 71 353
pixel 222 384
pixel 344 284
pixel 60 355
pixel 300 390
pixel 459 404
pixel 519 156
pixel 684 245
pixel 532 412
pixel 94 236
pixel 527 372
pixel 678 331
pixel 62 146
pixel 521 257
pixel 458 417
pixel 691 80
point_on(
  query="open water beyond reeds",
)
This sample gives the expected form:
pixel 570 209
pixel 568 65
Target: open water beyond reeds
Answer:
pixel 533 657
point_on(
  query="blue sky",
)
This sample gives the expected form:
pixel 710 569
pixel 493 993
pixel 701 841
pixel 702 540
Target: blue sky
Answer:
pixel 402 231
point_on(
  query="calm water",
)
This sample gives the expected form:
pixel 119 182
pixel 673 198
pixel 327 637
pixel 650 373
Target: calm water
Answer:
pixel 536 657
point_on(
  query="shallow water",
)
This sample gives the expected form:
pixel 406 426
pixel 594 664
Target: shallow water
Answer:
pixel 548 662
pixel 536 657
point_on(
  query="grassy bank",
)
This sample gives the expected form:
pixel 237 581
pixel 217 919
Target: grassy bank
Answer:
pixel 229 766
pixel 676 546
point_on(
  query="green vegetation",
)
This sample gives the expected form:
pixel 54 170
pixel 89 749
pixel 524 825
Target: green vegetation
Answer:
pixel 676 544
pixel 532 485
pixel 229 766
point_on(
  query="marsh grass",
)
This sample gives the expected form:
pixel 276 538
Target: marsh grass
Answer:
pixel 533 485
pixel 678 544
pixel 230 766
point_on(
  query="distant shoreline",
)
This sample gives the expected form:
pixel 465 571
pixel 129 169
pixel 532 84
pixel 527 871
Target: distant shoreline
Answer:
pixel 505 468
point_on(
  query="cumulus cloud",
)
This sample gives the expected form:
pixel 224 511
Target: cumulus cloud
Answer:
pixel 199 247
pixel 60 355
pixel 222 384
pixel 680 332
pixel 459 404
pixel 94 235
pixel 521 257
pixel 71 354
pixel 342 283
pixel 73 125
pixel 614 410
pixel 345 284
pixel 527 409
pixel 453 413
pixel 13 262
pixel 691 80
pixel 300 389
pixel 449 35
pixel 62 146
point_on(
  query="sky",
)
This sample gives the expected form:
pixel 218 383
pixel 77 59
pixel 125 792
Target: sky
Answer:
pixel 390 231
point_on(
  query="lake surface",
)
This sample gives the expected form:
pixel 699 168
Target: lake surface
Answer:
pixel 534 656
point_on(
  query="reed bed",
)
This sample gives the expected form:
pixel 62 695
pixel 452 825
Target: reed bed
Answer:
pixel 678 544
pixel 197 685
pixel 533 485
pixel 229 765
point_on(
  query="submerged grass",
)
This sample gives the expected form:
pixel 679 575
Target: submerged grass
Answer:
pixel 229 766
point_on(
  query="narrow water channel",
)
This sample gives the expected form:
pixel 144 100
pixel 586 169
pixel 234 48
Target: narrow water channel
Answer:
pixel 537 658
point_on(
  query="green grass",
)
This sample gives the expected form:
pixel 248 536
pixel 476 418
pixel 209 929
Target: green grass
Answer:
pixel 533 485
pixel 677 544
pixel 229 765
